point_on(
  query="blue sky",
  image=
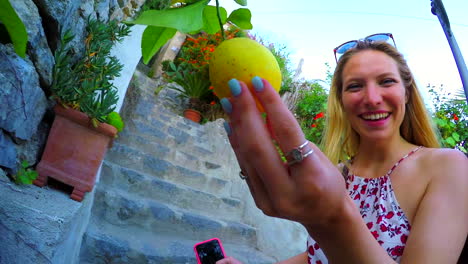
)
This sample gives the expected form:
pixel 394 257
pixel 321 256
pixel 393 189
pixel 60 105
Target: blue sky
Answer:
pixel 312 28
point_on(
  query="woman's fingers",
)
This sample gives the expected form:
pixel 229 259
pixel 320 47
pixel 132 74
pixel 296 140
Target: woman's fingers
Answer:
pixel 255 184
pixel 255 144
pixel 283 124
pixel 228 260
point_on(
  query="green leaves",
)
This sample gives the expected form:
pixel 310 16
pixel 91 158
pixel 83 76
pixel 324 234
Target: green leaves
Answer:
pixel 193 18
pixel 153 39
pixel 25 174
pixel 241 18
pixel 185 19
pixel 210 19
pixel 451 117
pixel 14 26
pixel 241 2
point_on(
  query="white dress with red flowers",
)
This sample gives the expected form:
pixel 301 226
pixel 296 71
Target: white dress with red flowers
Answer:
pixel 380 210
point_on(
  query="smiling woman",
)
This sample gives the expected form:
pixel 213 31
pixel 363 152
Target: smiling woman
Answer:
pixel 381 188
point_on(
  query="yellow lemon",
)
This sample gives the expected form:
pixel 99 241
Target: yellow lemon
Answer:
pixel 242 59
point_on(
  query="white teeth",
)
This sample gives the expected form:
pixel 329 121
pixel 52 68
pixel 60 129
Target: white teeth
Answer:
pixel 375 116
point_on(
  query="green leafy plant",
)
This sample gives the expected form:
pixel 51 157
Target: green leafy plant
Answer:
pixel 451 118
pixel 310 111
pixel 194 57
pixel 194 86
pixel 15 27
pixel 187 17
pixel 86 84
pixel 25 175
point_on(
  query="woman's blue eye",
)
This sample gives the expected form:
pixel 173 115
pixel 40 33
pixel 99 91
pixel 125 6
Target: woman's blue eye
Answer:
pixel 388 81
pixel 352 86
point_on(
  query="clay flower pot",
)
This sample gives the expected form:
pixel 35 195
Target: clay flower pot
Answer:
pixel 193 115
pixel 74 151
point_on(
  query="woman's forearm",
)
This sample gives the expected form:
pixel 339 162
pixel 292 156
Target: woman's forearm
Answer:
pixel 348 240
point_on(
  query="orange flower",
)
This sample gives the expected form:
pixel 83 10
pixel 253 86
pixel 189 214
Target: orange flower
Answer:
pixel 211 88
pixel 212 103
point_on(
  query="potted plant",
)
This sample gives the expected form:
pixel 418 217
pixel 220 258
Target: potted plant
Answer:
pixel 84 124
pixel 194 86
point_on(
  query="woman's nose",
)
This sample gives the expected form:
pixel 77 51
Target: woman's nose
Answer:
pixel 372 95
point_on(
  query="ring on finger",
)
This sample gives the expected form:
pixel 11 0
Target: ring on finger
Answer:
pixel 298 154
pixel 242 175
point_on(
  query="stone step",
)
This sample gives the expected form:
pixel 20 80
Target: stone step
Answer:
pixel 170 136
pixel 110 244
pixel 197 159
pixel 123 209
pixel 131 181
pixel 153 165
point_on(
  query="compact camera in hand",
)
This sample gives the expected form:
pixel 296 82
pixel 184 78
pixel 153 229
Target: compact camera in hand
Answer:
pixel 209 251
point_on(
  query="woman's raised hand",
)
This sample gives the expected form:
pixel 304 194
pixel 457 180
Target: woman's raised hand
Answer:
pixel 312 191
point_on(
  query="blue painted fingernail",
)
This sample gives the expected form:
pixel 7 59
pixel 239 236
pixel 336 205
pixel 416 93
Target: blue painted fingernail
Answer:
pixel 227 127
pixel 235 87
pixel 227 106
pixel 257 83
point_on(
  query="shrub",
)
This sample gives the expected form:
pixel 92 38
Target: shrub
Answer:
pixel 310 111
pixel 451 118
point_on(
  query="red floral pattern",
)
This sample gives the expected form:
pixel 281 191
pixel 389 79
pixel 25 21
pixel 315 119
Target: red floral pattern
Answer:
pixel 379 209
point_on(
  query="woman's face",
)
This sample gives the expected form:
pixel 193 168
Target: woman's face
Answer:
pixel 373 95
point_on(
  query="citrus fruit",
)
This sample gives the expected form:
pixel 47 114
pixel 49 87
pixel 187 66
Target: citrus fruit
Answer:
pixel 242 59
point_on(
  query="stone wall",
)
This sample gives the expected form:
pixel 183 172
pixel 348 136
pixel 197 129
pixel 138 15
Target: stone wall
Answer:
pixel 25 110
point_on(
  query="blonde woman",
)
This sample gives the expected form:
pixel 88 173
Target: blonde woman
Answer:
pixel 382 191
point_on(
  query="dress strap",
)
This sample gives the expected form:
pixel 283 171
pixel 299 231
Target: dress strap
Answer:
pixel 401 160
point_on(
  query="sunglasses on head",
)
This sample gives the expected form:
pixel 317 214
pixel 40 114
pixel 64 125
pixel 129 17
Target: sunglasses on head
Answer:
pixel 341 49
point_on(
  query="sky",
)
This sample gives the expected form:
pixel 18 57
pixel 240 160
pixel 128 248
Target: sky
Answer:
pixel 311 29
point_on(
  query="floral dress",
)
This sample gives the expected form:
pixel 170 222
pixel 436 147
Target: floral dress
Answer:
pixel 379 209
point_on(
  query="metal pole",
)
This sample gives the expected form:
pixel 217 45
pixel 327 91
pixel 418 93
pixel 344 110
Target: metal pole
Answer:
pixel 437 8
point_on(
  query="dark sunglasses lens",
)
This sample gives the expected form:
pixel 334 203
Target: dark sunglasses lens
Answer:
pixel 345 47
pixel 379 37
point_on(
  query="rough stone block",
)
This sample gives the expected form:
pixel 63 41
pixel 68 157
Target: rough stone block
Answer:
pixel 22 101
pixel 38 48
pixel 40 225
pixel 8 153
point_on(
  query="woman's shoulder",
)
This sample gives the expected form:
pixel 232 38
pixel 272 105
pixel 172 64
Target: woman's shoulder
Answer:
pixel 444 162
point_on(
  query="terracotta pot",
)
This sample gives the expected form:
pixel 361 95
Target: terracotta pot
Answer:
pixel 74 151
pixel 193 115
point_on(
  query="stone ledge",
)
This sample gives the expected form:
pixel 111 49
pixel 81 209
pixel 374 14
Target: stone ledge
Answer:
pixel 40 225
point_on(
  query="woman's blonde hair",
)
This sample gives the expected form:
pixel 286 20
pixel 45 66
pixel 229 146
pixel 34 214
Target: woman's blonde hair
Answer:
pixel 341 142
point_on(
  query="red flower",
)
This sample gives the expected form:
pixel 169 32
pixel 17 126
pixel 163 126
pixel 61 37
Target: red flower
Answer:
pixel 316 246
pixel 211 87
pixel 311 250
pixel 313 125
pixel 369 225
pixel 383 228
pixel 403 238
pixel 397 251
pixel 212 103
pixel 319 115
pixel 455 117
pixel 375 234
pixel 389 215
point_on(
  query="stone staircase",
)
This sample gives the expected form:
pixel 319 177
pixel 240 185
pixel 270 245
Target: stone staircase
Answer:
pixel 163 188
